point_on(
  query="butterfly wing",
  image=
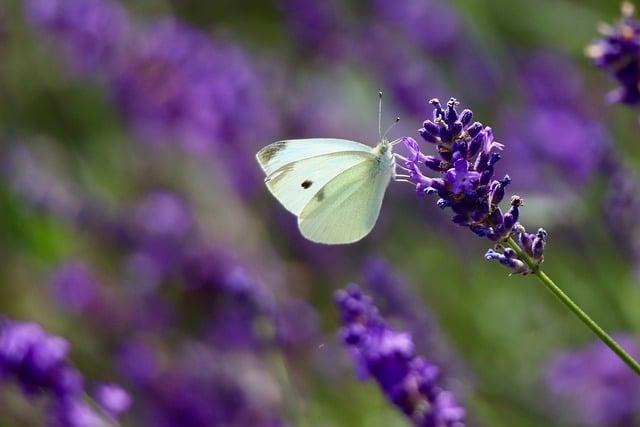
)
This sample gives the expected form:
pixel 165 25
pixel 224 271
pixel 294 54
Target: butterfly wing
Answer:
pixel 296 183
pixel 276 155
pixel 347 207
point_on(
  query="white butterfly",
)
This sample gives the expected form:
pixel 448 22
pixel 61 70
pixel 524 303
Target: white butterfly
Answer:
pixel 334 186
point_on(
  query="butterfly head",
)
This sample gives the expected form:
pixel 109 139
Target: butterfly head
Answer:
pixel 383 148
pixel 383 153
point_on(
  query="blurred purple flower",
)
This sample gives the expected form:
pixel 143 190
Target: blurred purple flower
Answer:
pixel 602 389
pixel 160 225
pixel 38 362
pixel 75 287
pixel 172 82
pixel 176 84
pixel 405 31
pixel 202 294
pixel 73 412
pixel 90 32
pixel 200 388
pixel 163 214
pixel 409 381
pixel 618 53
pixel 234 327
pixel 218 270
pixel 553 139
pixel 138 361
pixel 113 399
pixel 430 24
pixel 401 68
pixel 621 209
pixel 550 78
pixel 397 300
pixel 319 26
pixel 296 323
pixel 563 141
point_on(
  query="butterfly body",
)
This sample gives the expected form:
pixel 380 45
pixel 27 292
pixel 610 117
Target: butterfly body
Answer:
pixel 334 186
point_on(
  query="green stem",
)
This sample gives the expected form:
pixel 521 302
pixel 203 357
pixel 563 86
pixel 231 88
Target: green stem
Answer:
pixel 584 317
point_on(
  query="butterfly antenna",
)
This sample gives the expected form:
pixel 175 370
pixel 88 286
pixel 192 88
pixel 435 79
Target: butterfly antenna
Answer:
pixel 380 115
pixel 389 128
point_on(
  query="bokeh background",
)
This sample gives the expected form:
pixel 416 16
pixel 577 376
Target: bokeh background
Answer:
pixel 134 221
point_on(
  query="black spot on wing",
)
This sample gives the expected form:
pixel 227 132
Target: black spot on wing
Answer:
pixel 267 153
pixel 306 184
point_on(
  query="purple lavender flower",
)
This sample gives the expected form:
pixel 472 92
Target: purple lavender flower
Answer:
pixel 218 303
pixel 175 83
pixel 397 38
pixel 36 360
pixel 138 361
pixel 75 287
pixel 621 209
pixel 509 259
pixel 550 78
pixel 603 391
pixel 430 24
pixel 90 32
pixel 397 300
pixel 296 323
pixel 171 81
pixel 618 53
pixel 113 399
pixel 467 154
pixel 318 25
pixel 555 162
pixel 38 363
pixel 400 67
pixel 409 381
pixel 164 215
pixel 200 388
pixel 160 226
pixel 562 139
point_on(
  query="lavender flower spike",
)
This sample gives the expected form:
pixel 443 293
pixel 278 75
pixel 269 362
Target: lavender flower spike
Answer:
pixel 38 363
pixel 618 53
pixel 409 381
pixel 467 154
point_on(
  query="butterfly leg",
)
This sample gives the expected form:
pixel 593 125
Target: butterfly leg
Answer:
pixel 398 156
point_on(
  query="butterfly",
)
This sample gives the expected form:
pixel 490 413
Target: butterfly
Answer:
pixel 334 186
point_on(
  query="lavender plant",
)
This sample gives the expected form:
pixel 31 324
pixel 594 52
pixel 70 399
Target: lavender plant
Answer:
pixel 594 382
pixel 177 313
pixel 618 53
pixel 554 102
pixel 398 301
pixel 465 165
pixel 409 381
pixel 38 363
pixel 170 81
